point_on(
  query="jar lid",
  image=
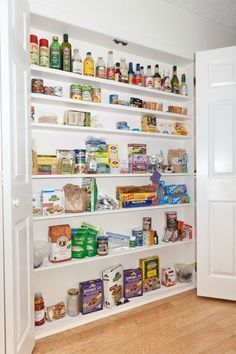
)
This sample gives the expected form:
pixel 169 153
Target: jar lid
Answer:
pixel 73 291
pixel 102 238
pixel 43 42
pixel 33 39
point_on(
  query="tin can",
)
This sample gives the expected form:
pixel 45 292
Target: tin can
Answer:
pixel 171 220
pixel 87 93
pixel 37 86
pixel 96 93
pixel 113 99
pixel 102 245
pixel 147 223
pixel 80 161
pixel 58 91
pixel 76 92
pixel 138 233
pixel 48 90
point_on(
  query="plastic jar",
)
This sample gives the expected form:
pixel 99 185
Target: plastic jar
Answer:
pixel 43 52
pixel 73 302
pixel 34 50
pixel 102 245
pixel 39 309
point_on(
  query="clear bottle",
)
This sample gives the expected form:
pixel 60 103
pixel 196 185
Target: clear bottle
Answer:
pixel 149 77
pixel 55 53
pixel 131 74
pixel 175 81
pixel 89 65
pixel 77 62
pixel 124 71
pixel 143 77
pixel 157 78
pixel 110 66
pixel 118 73
pixel 167 83
pixel 100 70
pixel 183 90
pixel 66 53
pixel 43 52
pixel 137 76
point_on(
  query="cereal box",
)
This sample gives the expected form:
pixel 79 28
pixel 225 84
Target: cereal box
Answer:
pixel 151 273
pixel 113 285
pixel 168 276
pixel 53 201
pixel 133 286
pixel 91 298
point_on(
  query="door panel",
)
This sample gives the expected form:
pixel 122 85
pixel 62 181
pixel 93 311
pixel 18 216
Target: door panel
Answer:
pixel 216 172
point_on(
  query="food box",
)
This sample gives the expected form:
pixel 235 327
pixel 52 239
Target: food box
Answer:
pixel 113 285
pixel 60 238
pixel 77 118
pixel 113 151
pixel 135 204
pixel 151 273
pixel 95 145
pixel 168 276
pixel 53 201
pixel 130 197
pixel 36 204
pixel 176 189
pixel 149 124
pixel 170 199
pixel 91 296
pixel 133 285
pixel 137 157
pixel 47 164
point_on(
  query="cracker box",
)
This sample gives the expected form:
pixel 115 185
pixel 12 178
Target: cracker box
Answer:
pixel 53 201
pixel 137 157
pixel 113 285
pixel 113 151
pixel 151 273
pixel 91 298
pixel 149 124
pixel 36 204
pixel 133 285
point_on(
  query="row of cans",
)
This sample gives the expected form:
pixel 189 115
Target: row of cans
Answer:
pixel 86 93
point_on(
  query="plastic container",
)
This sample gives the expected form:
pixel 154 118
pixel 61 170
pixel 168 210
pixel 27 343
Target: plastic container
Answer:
pixel 184 272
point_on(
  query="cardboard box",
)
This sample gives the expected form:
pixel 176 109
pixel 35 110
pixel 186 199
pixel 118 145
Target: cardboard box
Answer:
pixel 151 273
pixel 53 201
pixel 37 204
pixel 149 124
pixel 91 298
pixel 113 285
pixel 133 284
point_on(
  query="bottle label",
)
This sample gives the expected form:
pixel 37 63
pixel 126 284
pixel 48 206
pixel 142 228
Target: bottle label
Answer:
pixel 44 56
pixel 66 59
pixel 101 71
pixel 88 68
pixel 77 67
pixel 149 81
pixel 55 60
pixel 157 83
pixel 183 90
pixel 131 79
pixel 117 77
pixel 175 88
pixel 34 58
pixel 39 317
pixel 110 73
pixel 137 80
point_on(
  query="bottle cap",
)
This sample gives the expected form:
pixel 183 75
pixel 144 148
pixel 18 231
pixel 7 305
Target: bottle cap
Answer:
pixel 149 66
pixel 174 68
pixel 55 38
pixel 137 67
pixel 110 52
pixel 156 66
pixel 33 39
pixel 118 65
pixel 65 37
pixel 43 42
pixel 73 291
pixel 88 53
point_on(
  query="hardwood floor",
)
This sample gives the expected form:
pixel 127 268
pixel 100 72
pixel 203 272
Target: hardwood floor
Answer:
pixel 182 324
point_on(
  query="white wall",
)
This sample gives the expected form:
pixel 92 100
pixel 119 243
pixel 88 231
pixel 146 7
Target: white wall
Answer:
pixel 155 23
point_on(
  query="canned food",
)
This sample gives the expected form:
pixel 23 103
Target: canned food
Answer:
pixel 171 220
pixel 102 245
pixel 48 90
pixel 96 93
pixel 87 93
pixel 113 99
pixel 58 91
pixel 76 92
pixel 80 161
pixel 37 86
pixel 147 223
pixel 138 233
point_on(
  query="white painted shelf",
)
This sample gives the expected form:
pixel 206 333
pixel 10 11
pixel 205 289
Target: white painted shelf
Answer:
pixel 115 211
pixel 48 73
pixel 48 99
pixel 50 328
pixel 69 128
pixel 109 175
pixel 47 265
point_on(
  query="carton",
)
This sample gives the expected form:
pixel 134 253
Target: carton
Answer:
pixel 113 285
pixel 151 273
pixel 53 201
pixel 91 298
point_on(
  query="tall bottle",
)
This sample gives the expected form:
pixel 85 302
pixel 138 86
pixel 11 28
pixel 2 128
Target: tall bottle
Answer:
pixel 124 71
pixel 137 76
pixel 175 81
pixel 110 66
pixel 77 62
pixel 131 74
pixel 183 90
pixel 149 77
pixel 117 73
pixel 66 53
pixel 157 78
pixel 89 65
pixel 143 76
pixel 167 83
pixel 55 54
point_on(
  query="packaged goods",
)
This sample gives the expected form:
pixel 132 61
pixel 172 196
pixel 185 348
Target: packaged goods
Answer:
pixel 60 238
pixel 76 199
pixel 55 312
pixel 175 189
pixel 73 302
pixel 91 242
pixel 80 161
pixel 136 204
pixel 43 52
pixel 95 145
pixel 114 165
pixel 96 95
pixel 58 91
pixel 102 160
pixel 136 102
pixel 34 50
pixel 36 204
pixel 91 164
pixel 77 118
pixel 149 124
pixel 102 245
pixel 110 74
pixel 89 65
pixel 171 230
pixel 138 233
pixel 113 151
pixel 55 54
pixel 147 223
pixel 48 90
pixel 181 232
pixel 180 129
pixel 177 110
pixel 91 296
pixel 135 196
pixel 65 162
pixel 78 242
pixel 188 231
pixel 89 185
pixel 53 201
pixel 76 92
pixel 48 119
pixel 137 156
pixel 66 53
pixel 39 309
pixel 113 285
pixel 117 73
pixel 87 93
pixel 177 159
pixel 133 286
pixel 113 99
pixel 151 239
pixel 181 199
pixel 47 164
pixel 118 241
pixel 156 238
pixel 37 86
pixel 168 276
pixel 184 272
pixel 34 159
pixel 42 250
pixel 150 267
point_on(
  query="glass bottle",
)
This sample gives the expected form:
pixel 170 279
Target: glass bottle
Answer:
pixel 89 65
pixel 110 66
pixel 143 77
pixel 100 68
pixel 162 79
pixel 73 302
pixel 118 73
pixel 55 53
pixel 131 74
pixel 43 52
pixel 149 77
pixel 124 71
pixel 175 81
pixel 66 53
pixel 137 76
pixel 167 84
pixel 157 78
pixel 39 309
pixel 183 90
pixel 77 62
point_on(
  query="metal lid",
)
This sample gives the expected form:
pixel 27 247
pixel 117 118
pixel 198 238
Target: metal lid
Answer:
pixel 73 291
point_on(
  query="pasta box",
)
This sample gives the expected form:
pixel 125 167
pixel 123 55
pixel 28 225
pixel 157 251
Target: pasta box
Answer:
pixel 150 267
pixel 133 286
pixel 91 296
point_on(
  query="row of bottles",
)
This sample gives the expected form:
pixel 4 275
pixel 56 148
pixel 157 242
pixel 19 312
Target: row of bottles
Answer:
pixel 60 57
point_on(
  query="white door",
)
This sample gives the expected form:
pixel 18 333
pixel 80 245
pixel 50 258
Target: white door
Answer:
pixel 216 172
pixel 19 322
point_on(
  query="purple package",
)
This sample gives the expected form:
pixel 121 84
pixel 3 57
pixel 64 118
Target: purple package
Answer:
pixel 133 285
pixel 91 296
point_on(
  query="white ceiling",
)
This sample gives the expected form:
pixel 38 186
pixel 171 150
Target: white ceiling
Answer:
pixel 222 12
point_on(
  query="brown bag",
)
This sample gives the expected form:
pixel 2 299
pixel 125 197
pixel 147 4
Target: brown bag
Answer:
pixel 75 199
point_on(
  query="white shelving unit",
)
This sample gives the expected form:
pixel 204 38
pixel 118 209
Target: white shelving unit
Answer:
pixel 53 280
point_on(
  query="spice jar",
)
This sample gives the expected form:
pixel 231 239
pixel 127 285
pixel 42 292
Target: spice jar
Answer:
pixel 39 309
pixel 73 302
pixel 102 245
pixel 43 52
pixel 34 50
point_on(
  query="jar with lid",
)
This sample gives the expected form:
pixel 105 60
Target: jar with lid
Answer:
pixel 73 302
pixel 39 309
pixel 43 52
pixel 100 68
pixel 102 245
pixel 77 62
pixel 34 50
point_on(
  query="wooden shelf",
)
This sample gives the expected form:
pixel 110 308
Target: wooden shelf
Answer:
pixel 48 73
pixel 113 108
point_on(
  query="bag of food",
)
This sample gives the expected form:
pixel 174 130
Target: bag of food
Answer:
pixel 89 186
pixel 76 199
pixel 60 238
pixel 177 159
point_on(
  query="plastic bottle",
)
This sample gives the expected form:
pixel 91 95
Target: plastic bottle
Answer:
pixel 76 62
pixel 149 77
pixel 137 76
pixel 34 50
pixel 100 68
pixel 131 74
pixel 43 52
pixel 110 66
pixel 89 65
pixel 66 53
pixel 55 54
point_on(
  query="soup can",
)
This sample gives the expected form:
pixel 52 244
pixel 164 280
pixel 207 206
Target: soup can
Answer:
pixel 76 92
pixel 87 93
